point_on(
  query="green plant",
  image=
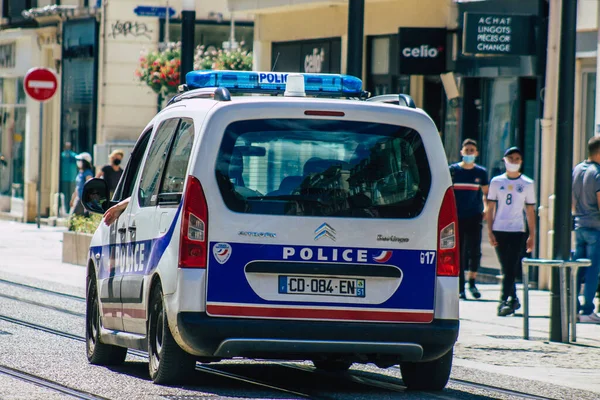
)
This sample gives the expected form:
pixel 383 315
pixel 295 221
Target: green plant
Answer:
pixel 82 224
pixel 223 59
pixel 159 69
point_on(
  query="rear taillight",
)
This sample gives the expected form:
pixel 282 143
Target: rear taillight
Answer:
pixel 448 263
pixel 193 247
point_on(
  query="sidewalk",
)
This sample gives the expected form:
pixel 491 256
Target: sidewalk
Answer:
pixel 33 256
pixel 495 344
pixel 486 342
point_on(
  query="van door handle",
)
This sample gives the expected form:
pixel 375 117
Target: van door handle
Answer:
pixel 132 228
pixel 122 230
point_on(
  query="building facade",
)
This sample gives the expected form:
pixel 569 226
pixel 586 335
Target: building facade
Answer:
pixel 312 36
pixel 25 44
pixel 124 105
pixel 94 47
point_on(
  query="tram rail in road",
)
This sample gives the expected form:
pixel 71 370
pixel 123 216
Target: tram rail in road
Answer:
pixel 39 289
pixel 47 384
pixel 352 376
pixel 142 354
pixel 384 384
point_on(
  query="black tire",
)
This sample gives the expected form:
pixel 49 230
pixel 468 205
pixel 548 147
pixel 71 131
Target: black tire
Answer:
pixel 332 365
pixel 427 376
pixel 168 363
pixel 97 352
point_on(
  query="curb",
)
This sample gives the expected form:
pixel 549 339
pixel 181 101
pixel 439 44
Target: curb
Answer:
pixel 6 216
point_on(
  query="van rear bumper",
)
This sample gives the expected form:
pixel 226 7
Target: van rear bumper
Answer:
pixel 307 340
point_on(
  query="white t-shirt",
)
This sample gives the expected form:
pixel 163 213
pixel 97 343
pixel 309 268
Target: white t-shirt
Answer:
pixel 511 197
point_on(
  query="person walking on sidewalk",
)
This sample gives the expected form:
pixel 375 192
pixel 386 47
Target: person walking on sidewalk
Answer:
pixel 470 182
pixel 84 164
pixel 511 198
pixel 586 198
pixel 112 172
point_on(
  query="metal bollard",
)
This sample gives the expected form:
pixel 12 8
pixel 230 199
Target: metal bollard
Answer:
pixel 564 303
pixel 564 318
pixel 575 265
pixel 525 270
pixel 526 263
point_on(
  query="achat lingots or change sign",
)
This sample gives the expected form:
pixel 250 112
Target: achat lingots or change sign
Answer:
pixel 498 34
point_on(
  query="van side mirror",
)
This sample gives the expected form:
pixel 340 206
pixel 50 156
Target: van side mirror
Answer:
pixel 96 196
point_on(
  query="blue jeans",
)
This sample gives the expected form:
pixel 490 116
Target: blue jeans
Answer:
pixel 588 246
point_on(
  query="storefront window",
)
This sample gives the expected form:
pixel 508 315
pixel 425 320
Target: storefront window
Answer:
pixel 500 121
pixel 379 79
pixel 311 56
pixel 12 137
pixel 380 57
pixel 451 130
pixel 79 97
pixel 589 111
pixel 214 35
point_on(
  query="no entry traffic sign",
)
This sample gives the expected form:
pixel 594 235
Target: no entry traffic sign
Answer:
pixel 40 83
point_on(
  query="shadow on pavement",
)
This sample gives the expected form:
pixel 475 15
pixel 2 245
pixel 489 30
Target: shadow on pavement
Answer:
pixel 310 383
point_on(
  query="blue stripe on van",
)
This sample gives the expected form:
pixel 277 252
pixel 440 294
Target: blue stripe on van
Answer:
pixel 228 273
pixel 140 257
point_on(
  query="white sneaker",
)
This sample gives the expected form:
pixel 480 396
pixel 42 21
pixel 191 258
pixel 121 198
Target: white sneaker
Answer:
pixel 592 318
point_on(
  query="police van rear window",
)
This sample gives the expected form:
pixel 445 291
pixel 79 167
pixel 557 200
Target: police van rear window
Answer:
pixel 317 167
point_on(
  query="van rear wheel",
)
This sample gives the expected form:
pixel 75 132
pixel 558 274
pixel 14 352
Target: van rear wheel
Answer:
pixel 428 376
pixel 168 363
pixel 97 352
pixel 332 365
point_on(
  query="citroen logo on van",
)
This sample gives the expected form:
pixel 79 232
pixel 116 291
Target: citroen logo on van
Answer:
pixel 325 230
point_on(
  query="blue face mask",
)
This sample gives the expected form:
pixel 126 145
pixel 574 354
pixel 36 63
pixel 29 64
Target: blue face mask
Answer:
pixel 469 159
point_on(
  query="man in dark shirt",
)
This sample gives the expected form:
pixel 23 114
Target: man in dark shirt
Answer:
pixel 470 183
pixel 586 207
pixel 112 172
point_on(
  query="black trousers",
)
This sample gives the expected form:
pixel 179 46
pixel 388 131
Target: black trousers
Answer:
pixel 510 252
pixel 469 238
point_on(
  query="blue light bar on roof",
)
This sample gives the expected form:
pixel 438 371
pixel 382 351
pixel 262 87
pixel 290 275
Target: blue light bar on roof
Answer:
pixel 332 85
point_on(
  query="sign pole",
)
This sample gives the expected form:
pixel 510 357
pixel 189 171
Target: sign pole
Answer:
pixel 40 84
pixel 167 24
pixel 39 178
pixel 356 26
pixel 564 151
pixel 188 24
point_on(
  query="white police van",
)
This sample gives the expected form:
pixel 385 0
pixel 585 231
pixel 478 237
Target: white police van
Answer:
pixel 318 225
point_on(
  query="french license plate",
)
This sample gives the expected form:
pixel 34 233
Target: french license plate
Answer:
pixel 322 286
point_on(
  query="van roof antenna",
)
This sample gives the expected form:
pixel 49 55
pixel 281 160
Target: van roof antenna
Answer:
pixel 275 63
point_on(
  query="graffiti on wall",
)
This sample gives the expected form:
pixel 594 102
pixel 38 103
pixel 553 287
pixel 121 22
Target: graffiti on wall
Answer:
pixel 130 28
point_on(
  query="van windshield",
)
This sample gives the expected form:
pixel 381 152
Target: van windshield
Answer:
pixel 317 167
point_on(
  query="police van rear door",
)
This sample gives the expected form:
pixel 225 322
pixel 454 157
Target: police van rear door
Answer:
pixel 326 210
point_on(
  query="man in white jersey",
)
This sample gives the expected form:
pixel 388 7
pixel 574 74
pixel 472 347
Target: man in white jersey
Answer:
pixel 511 196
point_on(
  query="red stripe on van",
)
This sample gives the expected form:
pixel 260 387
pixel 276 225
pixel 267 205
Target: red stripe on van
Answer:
pixel 297 313
pixel 118 312
pixel 134 313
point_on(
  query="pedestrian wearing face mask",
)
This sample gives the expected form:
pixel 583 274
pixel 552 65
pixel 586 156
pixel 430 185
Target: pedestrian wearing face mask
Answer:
pixel 85 173
pixel 112 172
pixel 511 201
pixel 470 182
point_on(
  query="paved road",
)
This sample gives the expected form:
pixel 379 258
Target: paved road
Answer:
pixel 489 350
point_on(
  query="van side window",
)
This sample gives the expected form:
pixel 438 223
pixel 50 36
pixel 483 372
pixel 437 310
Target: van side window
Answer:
pixel 155 162
pixel 132 170
pixel 177 163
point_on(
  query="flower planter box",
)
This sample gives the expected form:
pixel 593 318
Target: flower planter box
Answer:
pixel 76 247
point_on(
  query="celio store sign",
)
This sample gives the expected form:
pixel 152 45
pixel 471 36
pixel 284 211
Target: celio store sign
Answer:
pixel 498 34
pixel 422 51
